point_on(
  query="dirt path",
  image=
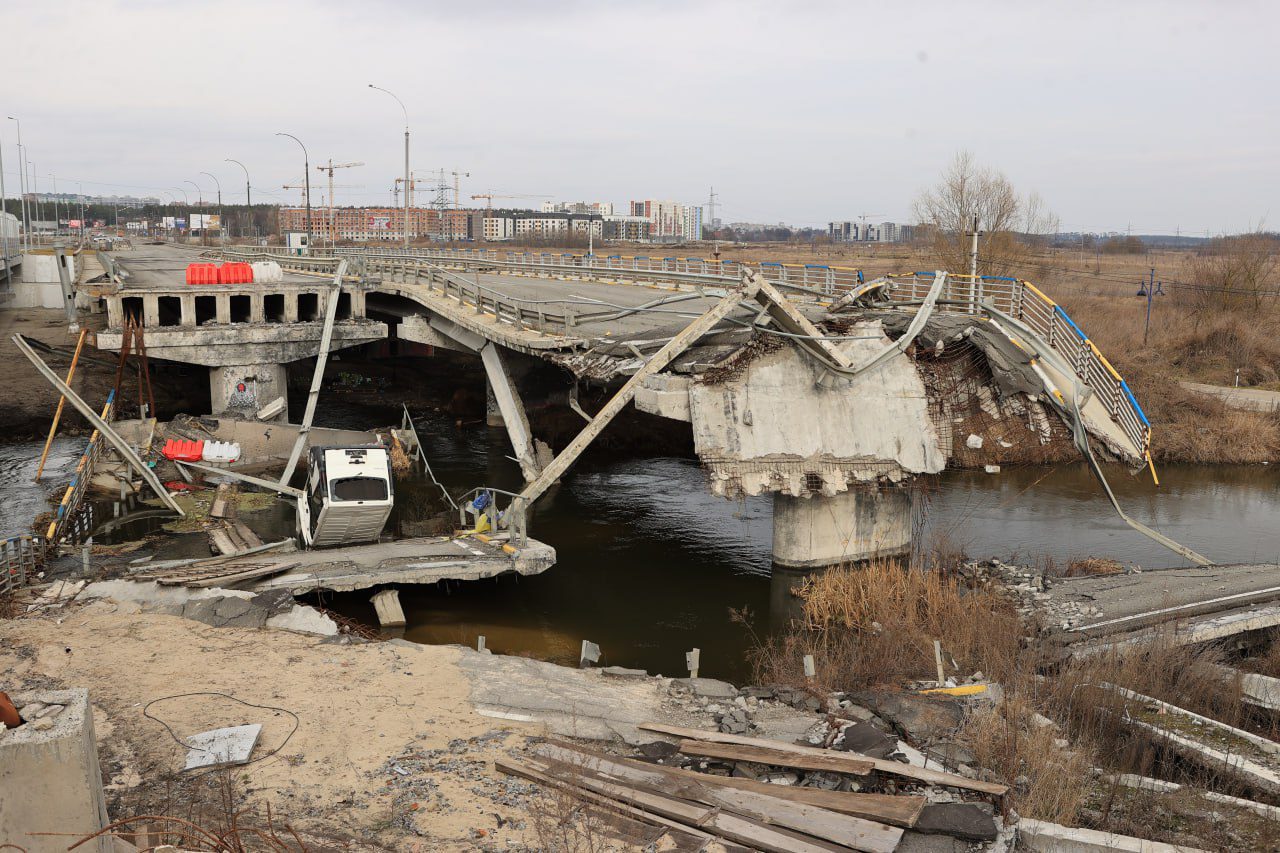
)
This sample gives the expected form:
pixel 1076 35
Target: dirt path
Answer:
pixel 362 710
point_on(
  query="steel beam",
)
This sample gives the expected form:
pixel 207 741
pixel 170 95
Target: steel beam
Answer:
pixel 121 446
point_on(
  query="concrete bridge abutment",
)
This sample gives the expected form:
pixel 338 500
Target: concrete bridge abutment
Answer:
pixel 240 390
pixel 849 527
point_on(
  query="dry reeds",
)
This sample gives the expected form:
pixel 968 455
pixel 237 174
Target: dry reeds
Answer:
pixel 1049 780
pixel 876 623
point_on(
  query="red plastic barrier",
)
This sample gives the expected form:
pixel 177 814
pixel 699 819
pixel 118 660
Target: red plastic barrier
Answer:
pixel 202 273
pixel 184 451
pixel 235 273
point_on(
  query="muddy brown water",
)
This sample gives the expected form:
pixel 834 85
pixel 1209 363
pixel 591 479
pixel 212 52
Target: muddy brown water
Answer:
pixel 650 564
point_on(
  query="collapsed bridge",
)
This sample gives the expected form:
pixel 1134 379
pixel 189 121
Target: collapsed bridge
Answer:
pixel 808 382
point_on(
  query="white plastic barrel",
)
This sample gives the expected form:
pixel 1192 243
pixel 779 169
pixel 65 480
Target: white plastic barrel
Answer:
pixel 267 272
pixel 221 451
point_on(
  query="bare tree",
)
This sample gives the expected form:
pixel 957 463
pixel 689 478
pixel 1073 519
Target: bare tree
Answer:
pixel 1012 224
pixel 1237 271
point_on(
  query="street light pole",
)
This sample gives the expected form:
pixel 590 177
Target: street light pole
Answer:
pixel 407 185
pixel 217 184
pixel 306 176
pixel 22 185
pixel 4 208
pixel 200 204
pixel 248 198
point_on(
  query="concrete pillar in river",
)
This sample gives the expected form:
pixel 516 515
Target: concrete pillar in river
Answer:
pixel 855 525
pixel 242 389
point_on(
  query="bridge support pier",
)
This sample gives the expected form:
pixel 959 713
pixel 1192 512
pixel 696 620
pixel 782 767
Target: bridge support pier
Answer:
pixel 492 411
pixel 240 390
pixel 855 525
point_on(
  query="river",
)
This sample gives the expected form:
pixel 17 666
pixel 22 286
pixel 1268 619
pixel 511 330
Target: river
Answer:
pixel 650 564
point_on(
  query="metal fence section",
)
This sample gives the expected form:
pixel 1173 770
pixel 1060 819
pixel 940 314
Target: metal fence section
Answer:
pixel 1025 302
pixel 820 278
pixel 20 559
pixel 72 522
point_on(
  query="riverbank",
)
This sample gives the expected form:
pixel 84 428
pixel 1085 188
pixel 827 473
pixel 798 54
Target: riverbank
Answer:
pixel 396 746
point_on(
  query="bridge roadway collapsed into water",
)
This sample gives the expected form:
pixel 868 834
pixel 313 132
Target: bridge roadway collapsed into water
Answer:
pixel 833 393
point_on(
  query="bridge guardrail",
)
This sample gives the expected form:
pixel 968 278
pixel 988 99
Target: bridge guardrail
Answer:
pixel 20 559
pixel 69 522
pixel 1016 297
pixel 1023 301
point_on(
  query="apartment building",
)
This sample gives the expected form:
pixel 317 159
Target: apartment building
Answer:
pixel 669 221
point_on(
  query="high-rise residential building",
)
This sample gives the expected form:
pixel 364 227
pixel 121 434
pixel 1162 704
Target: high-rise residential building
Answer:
pixel 598 208
pixel 670 221
pixel 886 232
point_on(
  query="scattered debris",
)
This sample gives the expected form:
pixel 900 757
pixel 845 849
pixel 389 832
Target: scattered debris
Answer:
pixel 219 747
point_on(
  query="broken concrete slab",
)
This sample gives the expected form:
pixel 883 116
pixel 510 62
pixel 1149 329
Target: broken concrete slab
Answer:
pixel 922 718
pixel 302 619
pixel 707 688
pixel 866 739
pixel 218 747
pixel 386 605
pixel 623 672
pixel 226 612
pixel 1044 837
pixel 974 821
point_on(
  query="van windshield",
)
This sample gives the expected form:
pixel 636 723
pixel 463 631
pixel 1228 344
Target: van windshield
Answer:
pixel 359 489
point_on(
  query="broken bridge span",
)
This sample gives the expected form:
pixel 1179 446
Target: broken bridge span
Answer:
pixel 831 392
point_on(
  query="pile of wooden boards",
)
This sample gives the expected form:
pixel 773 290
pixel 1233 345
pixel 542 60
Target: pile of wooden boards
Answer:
pixel 757 815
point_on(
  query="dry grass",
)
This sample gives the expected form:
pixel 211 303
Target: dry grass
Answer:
pixel 1048 781
pixel 876 623
pixel 1093 566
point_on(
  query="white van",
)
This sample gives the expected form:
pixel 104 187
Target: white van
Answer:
pixel 348 498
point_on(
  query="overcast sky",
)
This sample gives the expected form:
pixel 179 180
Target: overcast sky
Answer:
pixel 1158 116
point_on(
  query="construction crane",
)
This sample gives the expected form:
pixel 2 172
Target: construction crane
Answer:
pixel 864 217
pixel 489 197
pixel 333 225
pixel 457 203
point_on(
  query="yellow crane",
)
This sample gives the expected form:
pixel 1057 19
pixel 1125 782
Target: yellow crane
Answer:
pixel 333 226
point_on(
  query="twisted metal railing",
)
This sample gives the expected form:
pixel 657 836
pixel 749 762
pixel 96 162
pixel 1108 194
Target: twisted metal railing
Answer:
pixel 70 523
pixel 1027 303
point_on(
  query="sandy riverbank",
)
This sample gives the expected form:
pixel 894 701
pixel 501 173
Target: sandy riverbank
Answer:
pixel 359 709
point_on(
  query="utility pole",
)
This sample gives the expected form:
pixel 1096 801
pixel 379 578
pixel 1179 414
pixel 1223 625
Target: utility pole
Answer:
pixel 306 176
pixel 217 183
pixel 248 197
pixel 4 232
pixel 1150 290
pixel 712 203
pixel 408 192
pixel 975 283
pixel 204 232
pixel 22 186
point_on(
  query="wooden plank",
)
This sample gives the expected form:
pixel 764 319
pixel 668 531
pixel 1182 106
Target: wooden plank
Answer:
pixel 724 824
pixel 238 577
pixel 857 833
pixel 245 534
pixel 933 777
pixel 223 506
pixel 895 809
pixel 515 768
pixel 833 763
pixel 222 541
pixel 62 404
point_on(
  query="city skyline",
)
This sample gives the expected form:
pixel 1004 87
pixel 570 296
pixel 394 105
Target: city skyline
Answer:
pixel 840 106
